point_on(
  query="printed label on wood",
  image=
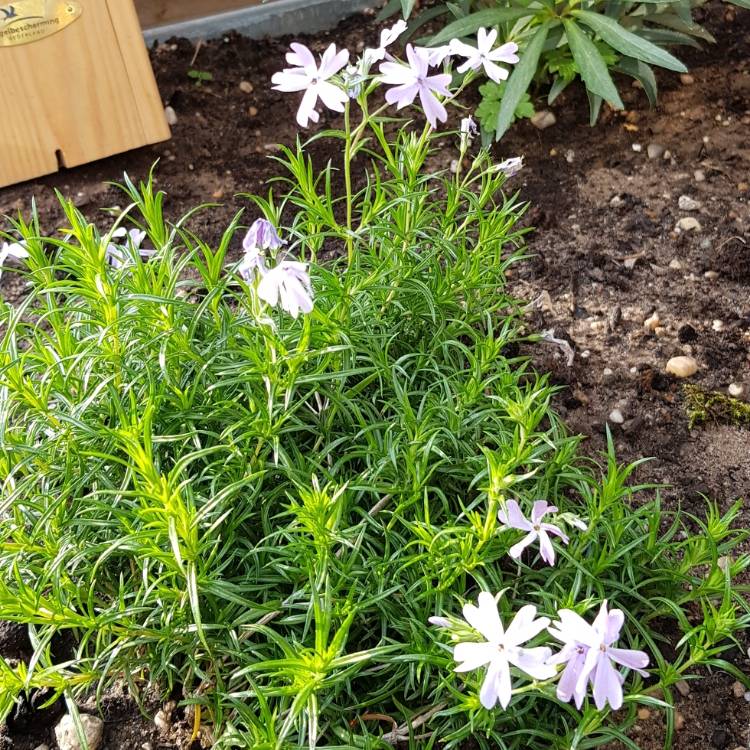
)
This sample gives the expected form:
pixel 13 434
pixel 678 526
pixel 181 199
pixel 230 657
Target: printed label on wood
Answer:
pixel 25 21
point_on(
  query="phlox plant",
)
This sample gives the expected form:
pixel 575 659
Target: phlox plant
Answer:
pixel 270 486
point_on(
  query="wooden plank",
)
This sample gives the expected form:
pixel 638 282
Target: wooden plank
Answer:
pixel 82 94
pixel 159 12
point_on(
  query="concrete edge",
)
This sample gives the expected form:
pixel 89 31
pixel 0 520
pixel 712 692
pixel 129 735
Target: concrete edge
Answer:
pixel 274 19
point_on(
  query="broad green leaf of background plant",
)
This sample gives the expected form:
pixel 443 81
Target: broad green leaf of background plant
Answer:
pixel 519 80
pixel 628 43
pixel 641 72
pixel 741 3
pixel 593 68
pixel 483 18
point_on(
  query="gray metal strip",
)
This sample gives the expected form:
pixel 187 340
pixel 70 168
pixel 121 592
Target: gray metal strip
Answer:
pixel 271 19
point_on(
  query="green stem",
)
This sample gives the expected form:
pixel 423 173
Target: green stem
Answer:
pixel 348 182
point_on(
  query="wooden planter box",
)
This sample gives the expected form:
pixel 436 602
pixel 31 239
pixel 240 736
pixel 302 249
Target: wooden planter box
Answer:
pixel 77 85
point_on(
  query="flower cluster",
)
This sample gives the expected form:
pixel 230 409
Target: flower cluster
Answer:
pixel 286 284
pixel 408 80
pixel 588 652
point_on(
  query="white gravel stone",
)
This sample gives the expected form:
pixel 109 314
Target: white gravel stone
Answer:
pixel 171 116
pixel 652 322
pixel 688 224
pixel 246 87
pixel 543 119
pixel 616 417
pixel 682 367
pixel 655 150
pixel 686 203
pixel 735 389
pixel 67 737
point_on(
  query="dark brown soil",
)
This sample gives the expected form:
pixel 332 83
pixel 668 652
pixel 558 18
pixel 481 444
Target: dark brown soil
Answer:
pixel 606 256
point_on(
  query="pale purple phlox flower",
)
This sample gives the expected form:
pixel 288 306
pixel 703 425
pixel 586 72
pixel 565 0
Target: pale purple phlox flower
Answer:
pixel 483 56
pixel 588 654
pixel 502 648
pixel 313 79
pixel 412 80
pixel 512 518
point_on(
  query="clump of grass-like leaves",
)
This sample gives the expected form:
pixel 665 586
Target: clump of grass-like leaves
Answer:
pixel 260 513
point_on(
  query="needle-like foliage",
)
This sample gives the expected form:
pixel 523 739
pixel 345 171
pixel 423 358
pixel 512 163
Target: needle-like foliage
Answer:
pixel 260 513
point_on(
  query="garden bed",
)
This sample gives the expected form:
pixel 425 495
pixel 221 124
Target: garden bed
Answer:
pixel 604 258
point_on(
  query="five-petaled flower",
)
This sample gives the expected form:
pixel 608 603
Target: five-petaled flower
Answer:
pixel 588 654
pixel 412 80
pixel 502 649
pixel 313 79
pixel 512 518
pixel 483 56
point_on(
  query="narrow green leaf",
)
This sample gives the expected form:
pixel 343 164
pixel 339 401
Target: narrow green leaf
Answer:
pixel 628 43
pixel 595 107
pixel 741 3
pixel 469 24
pixel 641 72
pixel 593 69
pixel 407 6
pixel 389 9
pixel 558 86
pixel 664 36
pixel 519 80
pixel 674 22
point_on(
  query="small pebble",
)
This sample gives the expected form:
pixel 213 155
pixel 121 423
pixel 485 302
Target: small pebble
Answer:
pixel 686 203
pixel 711 275
pixel 246 87
pixel 643 713
pixel 616 202
pixel 705 244
pixel 161 720
pixel 682 367
pixel 687 79
pixel 252 111
pixel 652 323
pixel 717 325
pixel 679 721
pixel 735 390
pixel 688 224
pixel 637 148
pixel 171 116
pixel 654 150
pixel 608 372
pixel 738 689
pixel 699 175
pixel 570 156
pixel 682 687
pixel 543 119
pixel 67 737
pixel 616 417
pixel 675 264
